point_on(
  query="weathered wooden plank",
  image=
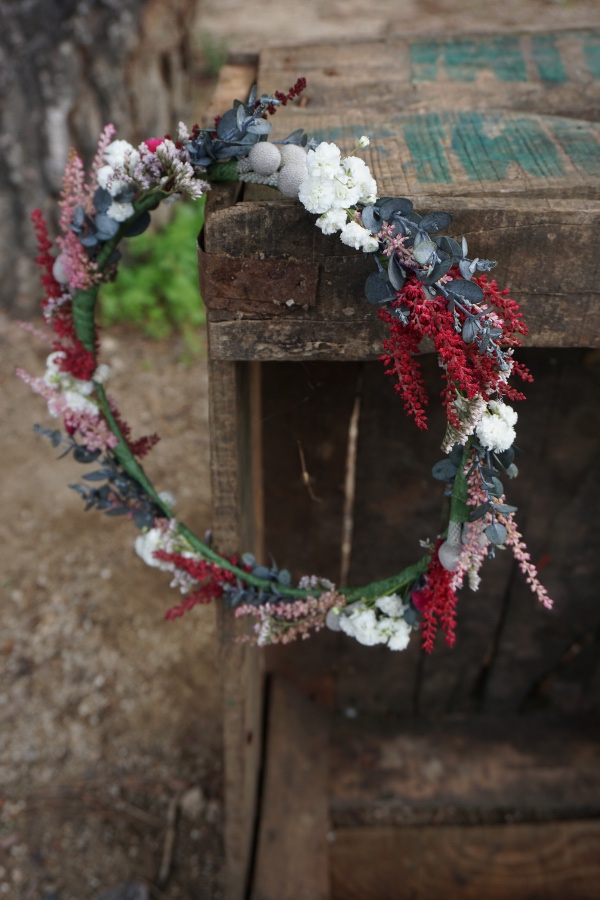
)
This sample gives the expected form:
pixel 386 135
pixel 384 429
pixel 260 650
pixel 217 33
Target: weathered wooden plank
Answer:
pixel 234 83
pixel 546 252
pixel 554 72
pixel 235 461
pixel 292 859
pixel 481 770
pixel 523 862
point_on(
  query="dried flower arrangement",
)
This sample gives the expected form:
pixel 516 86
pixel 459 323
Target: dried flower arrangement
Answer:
pixel 424 285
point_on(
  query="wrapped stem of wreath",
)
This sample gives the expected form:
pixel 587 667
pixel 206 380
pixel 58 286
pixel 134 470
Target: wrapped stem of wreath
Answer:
pixel 424 285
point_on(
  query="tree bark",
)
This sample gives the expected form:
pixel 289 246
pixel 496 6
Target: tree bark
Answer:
pixel 68 67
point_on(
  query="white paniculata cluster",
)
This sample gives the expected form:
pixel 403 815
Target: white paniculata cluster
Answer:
pixel 150 541
pixel 333 187
pixel 382 624
pixel 121 159
pixel 76 392
pixel 495 429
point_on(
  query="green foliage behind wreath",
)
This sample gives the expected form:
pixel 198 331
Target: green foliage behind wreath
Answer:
pixel 157 288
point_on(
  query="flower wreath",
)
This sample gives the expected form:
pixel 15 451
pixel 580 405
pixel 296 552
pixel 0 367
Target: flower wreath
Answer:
pixel 424 285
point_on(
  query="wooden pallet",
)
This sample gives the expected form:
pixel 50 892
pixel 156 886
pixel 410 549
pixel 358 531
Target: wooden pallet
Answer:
pixel 356 772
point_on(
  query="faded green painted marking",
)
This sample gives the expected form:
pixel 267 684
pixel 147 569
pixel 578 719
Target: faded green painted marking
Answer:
pixel 486 155
pixel 424 56
pixel 424 137
pixel 591 49
pixel 465 57
pixel 577 139
pixel 546 57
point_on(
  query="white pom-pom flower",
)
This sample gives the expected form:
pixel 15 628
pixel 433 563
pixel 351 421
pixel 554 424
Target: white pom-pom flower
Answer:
pixel 120 212
pixel 265 158
pixel 291 177
pixel 292 153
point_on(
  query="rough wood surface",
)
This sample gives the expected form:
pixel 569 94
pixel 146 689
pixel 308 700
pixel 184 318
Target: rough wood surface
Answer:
pixel 292 859
pixel 321 313
pixel 552 861
pixel 235 459
pixel 476 114
pixel 482 770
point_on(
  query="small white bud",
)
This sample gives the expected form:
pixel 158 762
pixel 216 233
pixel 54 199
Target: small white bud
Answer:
pixel 364 141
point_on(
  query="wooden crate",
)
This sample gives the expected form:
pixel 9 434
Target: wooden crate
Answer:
pixel 357 772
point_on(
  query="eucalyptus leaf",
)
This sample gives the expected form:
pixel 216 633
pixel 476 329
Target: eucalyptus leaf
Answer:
pixel 102 199
pixel 496 533
pixel 439 270
pixel 105 225
pixel 377 291
pixel 469 330
pixel 424 252
pixel 390 205
pixel 466 289
pixel 444 470
pixel 371 219
pixel 259 126
pixel 396 273
pixel 435 221
pixel 479 511
pixel 138 226
pixel 505 509
pixel 465 269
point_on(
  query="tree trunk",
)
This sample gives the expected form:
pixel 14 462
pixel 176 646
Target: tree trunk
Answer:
pixel 68 67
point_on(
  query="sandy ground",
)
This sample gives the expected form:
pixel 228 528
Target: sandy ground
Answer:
pixel 109 717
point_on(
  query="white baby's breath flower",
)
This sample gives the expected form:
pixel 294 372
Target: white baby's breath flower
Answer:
pixel 147 543
pixel 316 194
pixel 364 141
pixel 120 212
pixel 506 413
pixel 107 179
pixel 354 235
pixel 495 433
pixel 400 636
pixel 331 221
pixel 345 194
pixel 362 625
pixel 121 154
pixel 324 161
pixel 102 373
pixel 391 605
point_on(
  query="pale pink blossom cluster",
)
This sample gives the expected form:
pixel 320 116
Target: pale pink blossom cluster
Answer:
pixel 78 418
pixel 168 169
pixel 521 554
pixel 283 622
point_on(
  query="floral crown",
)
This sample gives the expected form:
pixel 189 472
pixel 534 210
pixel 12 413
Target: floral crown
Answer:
pixel 424 285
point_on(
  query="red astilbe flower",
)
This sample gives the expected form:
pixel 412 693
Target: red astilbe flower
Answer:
pixel 437 602
pixel 142 446
pixel 465 368
pixel 400 357
pixel 76 360
pixel 211 579
pixel 44 260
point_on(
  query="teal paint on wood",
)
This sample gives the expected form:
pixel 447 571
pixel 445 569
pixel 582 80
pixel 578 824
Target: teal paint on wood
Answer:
pixel 465 58
pixel 424 136
pixel 424 56
pixel 487 145
pixel 546 57
pixel 591 49
pixel 578 141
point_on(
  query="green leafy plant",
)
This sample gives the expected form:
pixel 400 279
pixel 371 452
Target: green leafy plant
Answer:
pixel 157 288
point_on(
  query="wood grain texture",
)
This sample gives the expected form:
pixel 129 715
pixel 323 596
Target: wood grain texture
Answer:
pixel 292 859
pixel 236 522
pixel 552 861
pixel 477 770
pixel 539 244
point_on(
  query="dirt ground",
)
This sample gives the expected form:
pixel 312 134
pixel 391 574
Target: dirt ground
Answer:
pixel 109 717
